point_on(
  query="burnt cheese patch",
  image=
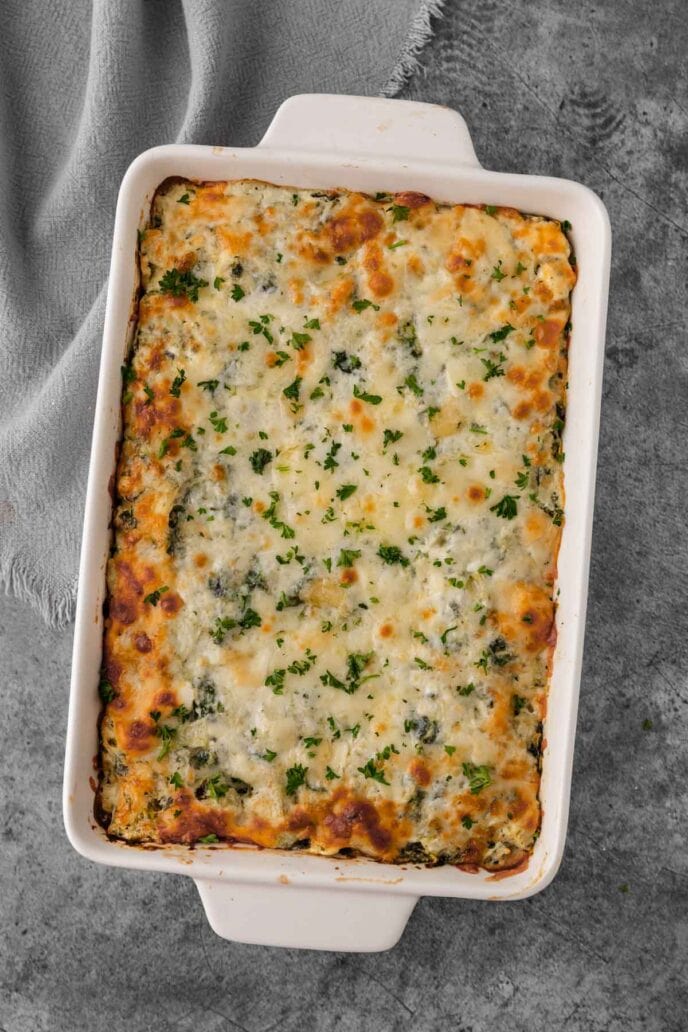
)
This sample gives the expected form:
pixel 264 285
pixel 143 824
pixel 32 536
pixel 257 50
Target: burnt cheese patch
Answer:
pixel 339 498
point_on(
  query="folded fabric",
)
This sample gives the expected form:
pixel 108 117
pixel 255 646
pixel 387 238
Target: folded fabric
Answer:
pixel 84 87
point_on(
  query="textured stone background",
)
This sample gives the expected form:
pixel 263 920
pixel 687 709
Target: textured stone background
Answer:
pixel 596 92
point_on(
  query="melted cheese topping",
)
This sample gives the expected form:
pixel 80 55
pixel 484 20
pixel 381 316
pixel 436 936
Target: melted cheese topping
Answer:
pixel 338 508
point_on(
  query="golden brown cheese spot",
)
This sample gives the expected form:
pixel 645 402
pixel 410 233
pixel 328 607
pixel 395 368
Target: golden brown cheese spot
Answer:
pixel 170 603
pixel 476 493
pixel 420 772
pixel 143 643
pixel 138 735
pixel 380 283
pixel 522 410
pixel 348 231
pixel 414 264
pixel 547 332
pixel 411 199
pixel 340 293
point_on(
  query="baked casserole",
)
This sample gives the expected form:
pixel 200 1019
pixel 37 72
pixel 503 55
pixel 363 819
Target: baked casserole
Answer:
pixel 337 510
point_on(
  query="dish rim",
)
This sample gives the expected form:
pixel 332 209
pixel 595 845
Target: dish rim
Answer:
pixel 294 165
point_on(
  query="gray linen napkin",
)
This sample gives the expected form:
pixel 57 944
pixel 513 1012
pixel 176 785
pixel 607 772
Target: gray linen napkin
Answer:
pixel 84 87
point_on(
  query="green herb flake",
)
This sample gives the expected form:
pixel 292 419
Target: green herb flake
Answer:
pixel 400 213
pixel 346 490
pixel 362 303
pixel 371 399
pixel 506 507
pixel 259 459
pixel 293 390
pixel 177 283
pixel 478 777
pixel 154 597
pixel 296 777
pixel 392 554
pixel 372 770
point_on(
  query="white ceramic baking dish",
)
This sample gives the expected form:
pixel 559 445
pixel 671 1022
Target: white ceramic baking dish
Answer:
pixel 285 898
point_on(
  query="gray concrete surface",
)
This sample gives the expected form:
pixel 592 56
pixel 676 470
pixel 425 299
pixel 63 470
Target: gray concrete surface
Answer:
pixel 592 91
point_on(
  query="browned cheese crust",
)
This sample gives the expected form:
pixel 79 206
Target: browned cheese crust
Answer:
pixel 339 498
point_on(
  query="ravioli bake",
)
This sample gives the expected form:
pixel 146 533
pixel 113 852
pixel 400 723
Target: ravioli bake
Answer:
pixel 337 510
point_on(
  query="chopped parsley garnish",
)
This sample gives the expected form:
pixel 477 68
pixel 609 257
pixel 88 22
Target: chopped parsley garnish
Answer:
pixel 522 479
pixel 250 619
pixel 392 554
pixel 467 822
pixel 259 459
pixel 478 777
pixel 330 774
pixel 293 390
pixel 346 490
pixel 176 780
pixel 270 515
pixel 490 209
pixel 330 461
pixel 493 369
pixel 465 689
pixel 275 680
pixel 154 597
pixel 175 389
pixel 345 362
pixel 312 324
pixel 348 556
pixel 435 515
pixel 371 399
pixel 428 476
pixel 260 325
pixel 238 292
pixel 229 450
pixel 413 385
pixel 421 664
pixel 219 423
pixel 184 199
pixel 362 303
pixel 268 755
pixel 209 385
pixel 106 691
pixel 208 840
pixel 217 282
pixel 166 733
pixel 178 282
pixel 391 437
pixel 371 770
pixel 356 663
pixel 400 213
pixel 299 340
pixel 501 334
pixel 497 273
pixel 296 776
pixel 506 507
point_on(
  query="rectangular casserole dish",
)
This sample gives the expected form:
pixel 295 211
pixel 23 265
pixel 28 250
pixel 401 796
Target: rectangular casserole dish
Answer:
pixel 283 898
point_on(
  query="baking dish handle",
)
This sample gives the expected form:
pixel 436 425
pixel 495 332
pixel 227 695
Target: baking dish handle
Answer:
pixel 306 918
pixel 371 126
